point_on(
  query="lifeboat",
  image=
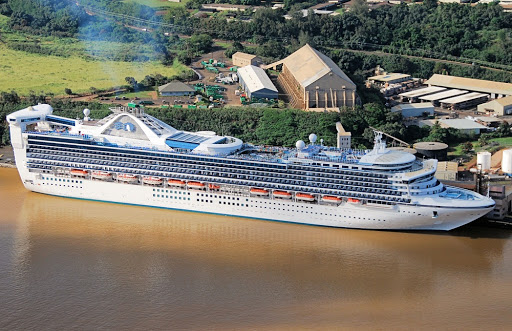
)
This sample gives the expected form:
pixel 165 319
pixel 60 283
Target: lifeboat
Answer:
pixel 176 182
pixel 129 178
pixel 213 187
pixel 196 185
pixel 78 172
pixel 304 197
pixel 101 174
pixel 352 200
pixel 282 194
pixel 331 199
pixel 152 180
pixel 259 191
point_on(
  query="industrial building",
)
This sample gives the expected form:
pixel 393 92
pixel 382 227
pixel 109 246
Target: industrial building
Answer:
pixel 464 101
pixel 414 109
pixel 244 59
pixel 494 89
pixel 343 138
pixel 412 96
pixel 175 88
pixel 447 170
pixel 465 125
pixel 436 97
pixel 256 83
pixel 314 82
pixel 389 78
pixel 499 107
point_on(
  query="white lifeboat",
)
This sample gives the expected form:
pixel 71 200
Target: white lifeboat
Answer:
pixel 78 172
pixel 282 194
pixel 304 197
pixel 98 174
pixel 129 178
pixel 150 180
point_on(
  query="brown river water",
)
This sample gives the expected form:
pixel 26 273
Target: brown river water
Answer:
pixel 72 264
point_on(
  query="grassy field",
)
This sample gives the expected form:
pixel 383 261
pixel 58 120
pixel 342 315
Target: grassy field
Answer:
pixel 158 3
pixel 24 72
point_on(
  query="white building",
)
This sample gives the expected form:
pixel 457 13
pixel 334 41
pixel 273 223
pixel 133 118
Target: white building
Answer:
pixel 414 109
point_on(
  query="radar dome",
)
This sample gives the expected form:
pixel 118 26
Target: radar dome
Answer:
pixel 312 138
pixel 87 112
pixel 300 144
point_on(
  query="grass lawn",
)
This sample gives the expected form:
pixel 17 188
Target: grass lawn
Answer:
pixel 141 94
pixel 24 72
pixel 158 3
pixel 503 142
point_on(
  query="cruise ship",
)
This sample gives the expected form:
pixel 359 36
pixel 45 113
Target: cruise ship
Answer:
pixel 132 158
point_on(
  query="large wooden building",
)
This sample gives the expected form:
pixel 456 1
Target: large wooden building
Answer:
pixel 314 82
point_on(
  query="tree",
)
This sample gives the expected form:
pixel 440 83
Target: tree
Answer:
pixel 68 91
pixel 467 147
pixel 132 82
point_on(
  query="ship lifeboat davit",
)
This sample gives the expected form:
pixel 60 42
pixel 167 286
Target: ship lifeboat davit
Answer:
pixel 259 191
pixel 213 187
pixel 304 197
pixel 129 178
pixel 282 194
pixel 352 200
pixel 150 180
pixel 176 183
pixel 78 172
pixel 196 185
pixel 101 175
pixel 331 199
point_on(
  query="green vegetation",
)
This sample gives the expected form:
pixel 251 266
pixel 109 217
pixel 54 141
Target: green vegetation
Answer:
pixel 158 3
pixel 25 72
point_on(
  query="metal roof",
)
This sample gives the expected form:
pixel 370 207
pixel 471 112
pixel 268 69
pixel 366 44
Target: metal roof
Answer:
pixel 461 124
pixel 442 95
pixel 242 55
pixel 464 97
pixel 420 105
pixel 471 84
pixel 308 65
pixel 423 91
pixel 255 79
pixel 389 76
pixel 175 86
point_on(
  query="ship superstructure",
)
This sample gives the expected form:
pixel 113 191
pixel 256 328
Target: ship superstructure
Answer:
pixel 133 158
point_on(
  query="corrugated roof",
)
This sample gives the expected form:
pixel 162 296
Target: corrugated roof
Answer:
pixel 506 101
pixel 255 78
pixel 175 86
pixel 242 55
pixel 390 76
pixel 471 84
pixel 464 97
pixel 308 65
pixel 461 123
pixel 442 95
pixel 420 105
pixel 423 91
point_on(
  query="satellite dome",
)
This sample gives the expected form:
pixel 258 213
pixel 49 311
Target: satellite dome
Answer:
pixel 300 144
pixel 87 112
pixel 312 138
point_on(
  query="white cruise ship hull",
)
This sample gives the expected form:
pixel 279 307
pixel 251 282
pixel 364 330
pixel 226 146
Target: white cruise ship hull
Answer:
pixel 345 215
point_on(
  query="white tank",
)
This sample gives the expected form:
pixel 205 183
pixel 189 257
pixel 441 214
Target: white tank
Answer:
pixel 484 159
pixel 506 162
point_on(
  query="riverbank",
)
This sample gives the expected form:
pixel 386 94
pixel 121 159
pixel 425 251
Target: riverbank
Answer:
pixel 7 157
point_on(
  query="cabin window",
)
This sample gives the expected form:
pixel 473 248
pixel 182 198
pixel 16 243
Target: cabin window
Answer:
pixel 434 214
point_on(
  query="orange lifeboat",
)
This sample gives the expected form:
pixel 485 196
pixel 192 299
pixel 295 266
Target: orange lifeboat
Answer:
pixel 196 185
pixel 352 200
pixel 259 191
pixel 331 199
pixel 304 196
pixel 176 182
pixel 152 180
pixel 213 187
pixel 101 174
pixel 129 178
pixel 282 194
pixel 78 172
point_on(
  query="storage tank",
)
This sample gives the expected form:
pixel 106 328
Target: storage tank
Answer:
pixel 506 161
pixel 483 159
pixel 432 150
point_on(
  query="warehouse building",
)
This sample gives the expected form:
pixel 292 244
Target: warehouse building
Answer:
pixel 244 59
pixel 464 101
pixel 495 89
pixel 175 88
pixel 414 109
pixel 436 97
pixel 499 107
pixel 465 125
pixel 256 83
pixel 314 82
pixel 413 96
pixel 389 78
